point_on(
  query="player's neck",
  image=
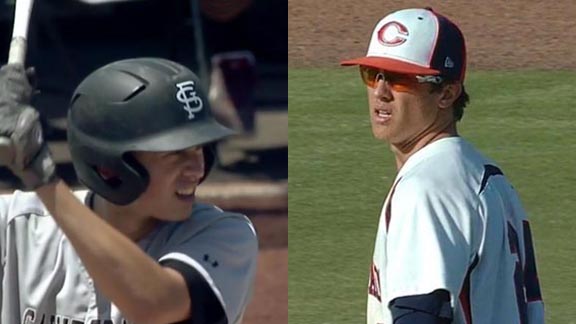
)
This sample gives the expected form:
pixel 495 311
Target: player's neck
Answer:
pixel 134 226
pixel 404 151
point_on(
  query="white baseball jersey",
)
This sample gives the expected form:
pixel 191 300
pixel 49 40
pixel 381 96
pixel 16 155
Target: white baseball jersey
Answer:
pixel 452 221
pixel 44 281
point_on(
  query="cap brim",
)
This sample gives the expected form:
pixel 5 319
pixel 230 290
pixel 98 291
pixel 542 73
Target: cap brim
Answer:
pixel 389 64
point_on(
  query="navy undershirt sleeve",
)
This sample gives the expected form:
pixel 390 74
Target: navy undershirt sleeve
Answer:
pixel 206 308
pixel 433 308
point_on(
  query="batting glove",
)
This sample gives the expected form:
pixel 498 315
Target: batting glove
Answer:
pixel 22 146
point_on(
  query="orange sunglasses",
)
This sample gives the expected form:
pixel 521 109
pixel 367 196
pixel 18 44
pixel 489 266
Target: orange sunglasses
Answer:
pixel 396 81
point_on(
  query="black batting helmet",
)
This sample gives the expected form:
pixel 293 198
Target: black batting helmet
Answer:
pixel 143 104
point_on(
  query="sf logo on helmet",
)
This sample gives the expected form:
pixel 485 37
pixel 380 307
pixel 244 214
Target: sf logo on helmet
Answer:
pixel 187 95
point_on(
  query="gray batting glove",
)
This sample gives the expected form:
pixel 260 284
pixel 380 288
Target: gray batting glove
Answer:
pixel 22 146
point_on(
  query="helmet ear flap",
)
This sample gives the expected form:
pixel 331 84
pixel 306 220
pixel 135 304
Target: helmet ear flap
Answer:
pixel 108 175
pixel 210 158
pixel 130 180
pixel 136 167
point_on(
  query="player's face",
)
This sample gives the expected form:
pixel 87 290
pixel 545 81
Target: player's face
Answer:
pixel 174 177
pixel 402 110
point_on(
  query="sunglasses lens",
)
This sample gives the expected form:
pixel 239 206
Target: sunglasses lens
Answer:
pixel 368 76
pixel 399 87
pixel 396 81
pixel 401 82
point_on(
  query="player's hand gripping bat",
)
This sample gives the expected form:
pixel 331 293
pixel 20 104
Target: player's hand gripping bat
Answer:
pixel 22 147
pixel 17 54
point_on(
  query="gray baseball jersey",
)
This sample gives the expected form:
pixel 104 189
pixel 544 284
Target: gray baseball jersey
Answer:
pixel 44 281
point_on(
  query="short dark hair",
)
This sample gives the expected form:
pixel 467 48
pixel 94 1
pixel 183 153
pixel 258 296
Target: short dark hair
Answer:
pixel 459 103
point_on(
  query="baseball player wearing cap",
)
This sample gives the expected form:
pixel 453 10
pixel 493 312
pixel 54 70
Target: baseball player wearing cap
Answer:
pixel 135 247
pixel 453 242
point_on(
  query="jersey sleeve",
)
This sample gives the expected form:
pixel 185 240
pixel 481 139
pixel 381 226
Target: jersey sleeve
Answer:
pixel 219 263
pixel 430 240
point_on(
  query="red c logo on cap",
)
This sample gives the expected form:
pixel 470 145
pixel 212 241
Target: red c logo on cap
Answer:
pixel 392 34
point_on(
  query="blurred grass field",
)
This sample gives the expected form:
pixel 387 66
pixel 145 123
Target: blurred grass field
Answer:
pixel 340 175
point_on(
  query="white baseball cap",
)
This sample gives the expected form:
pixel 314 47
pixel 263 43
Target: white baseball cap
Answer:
pixel 416 41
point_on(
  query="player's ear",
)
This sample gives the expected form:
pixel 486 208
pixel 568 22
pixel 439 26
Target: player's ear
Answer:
pixel 449 93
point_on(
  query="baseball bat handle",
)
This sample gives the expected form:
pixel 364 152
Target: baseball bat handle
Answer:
pixel 17 52
pixel 22 13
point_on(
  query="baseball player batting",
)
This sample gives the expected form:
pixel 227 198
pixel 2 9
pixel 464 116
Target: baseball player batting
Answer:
pixel 135 247
pixel 453 242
